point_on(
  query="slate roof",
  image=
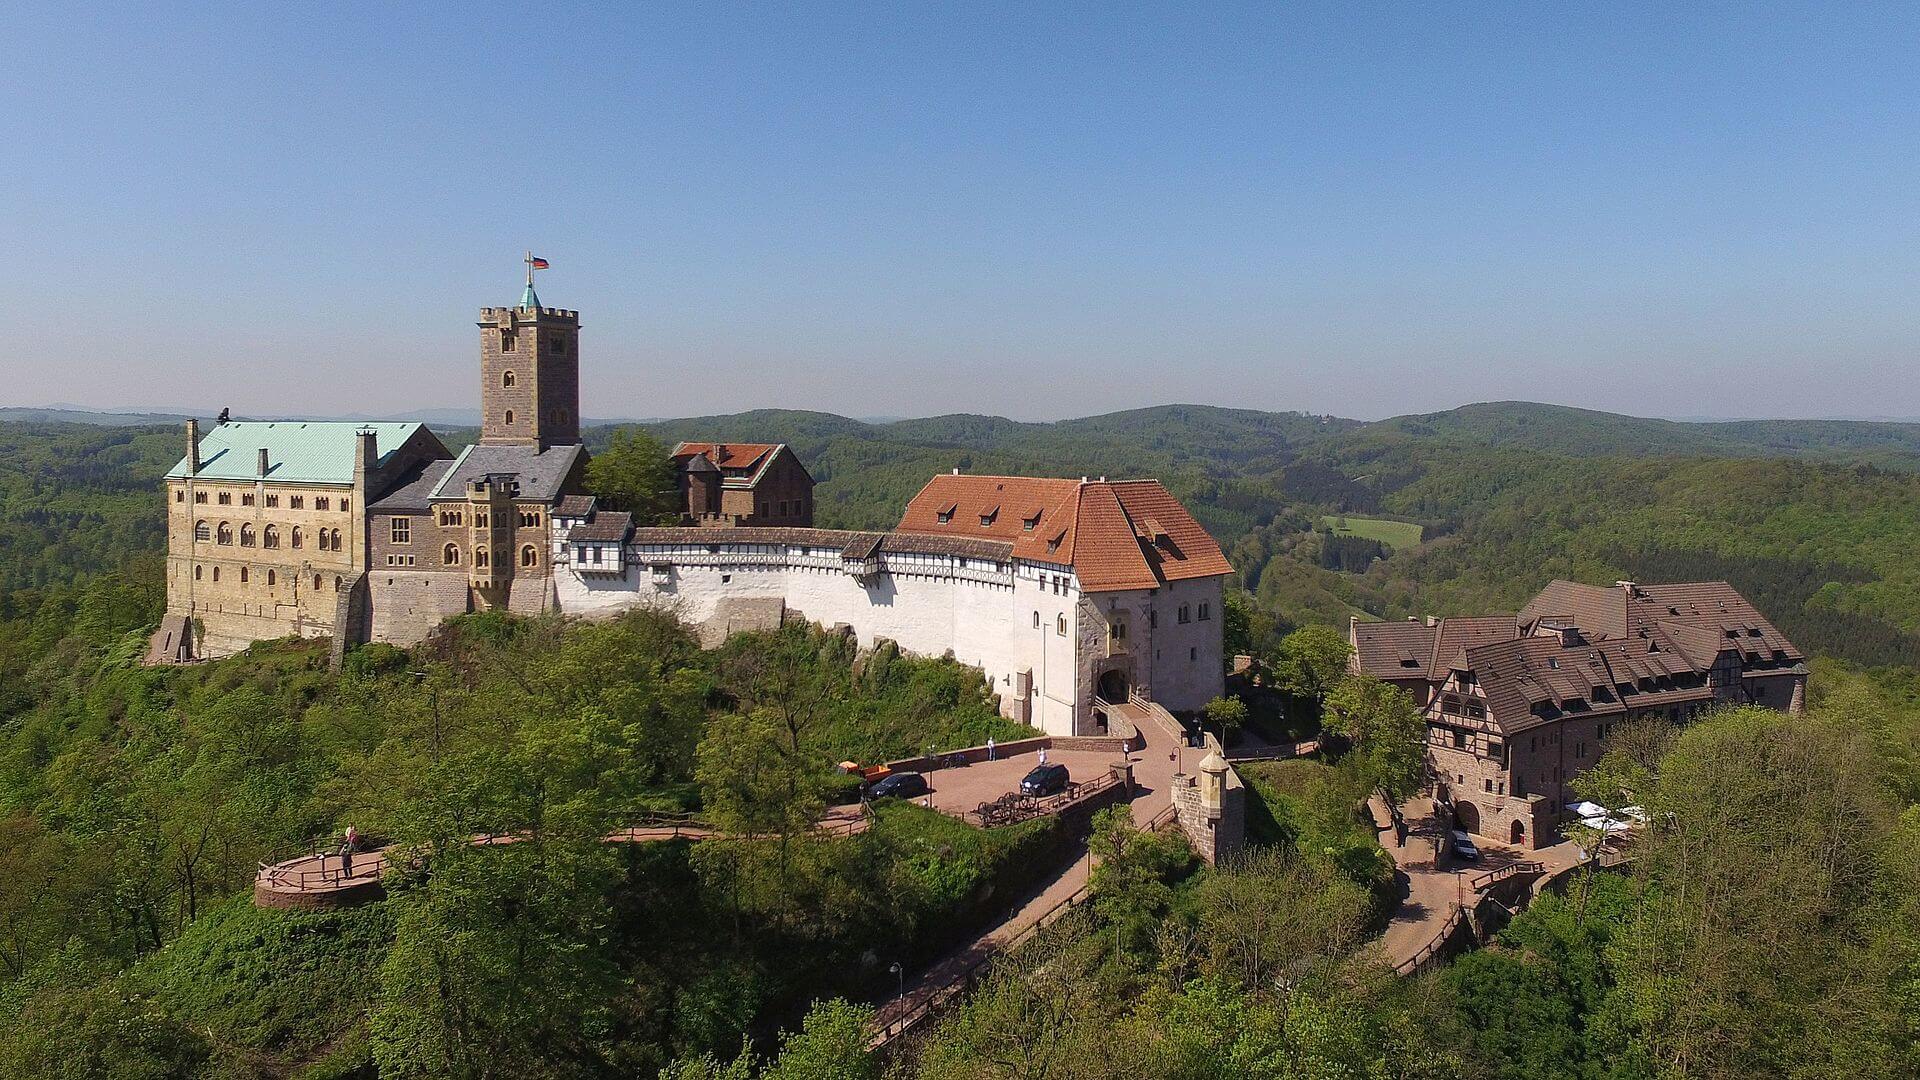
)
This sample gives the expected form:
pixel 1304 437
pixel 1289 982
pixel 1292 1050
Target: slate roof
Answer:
pixel 541 473
pixel 855 544
pixel 415 489
pixel 298 451
pixel 1116 535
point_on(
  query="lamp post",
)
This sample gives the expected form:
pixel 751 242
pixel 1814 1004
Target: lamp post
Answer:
pixel 900 974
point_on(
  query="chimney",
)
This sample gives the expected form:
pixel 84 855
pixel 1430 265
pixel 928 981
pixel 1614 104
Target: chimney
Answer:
pixel 719 453
pixel 366 451
pixel 260 468
pixel 193 448
pixel 1433 620
pixel 956 470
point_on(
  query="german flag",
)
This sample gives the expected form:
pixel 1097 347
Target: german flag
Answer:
pixel 536 262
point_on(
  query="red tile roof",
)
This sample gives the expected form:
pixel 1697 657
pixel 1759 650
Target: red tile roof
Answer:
pixel 1116 535
pixel 727 455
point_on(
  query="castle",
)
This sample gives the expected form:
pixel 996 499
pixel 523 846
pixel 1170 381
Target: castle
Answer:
pixel 1518 705
pixel 1069 595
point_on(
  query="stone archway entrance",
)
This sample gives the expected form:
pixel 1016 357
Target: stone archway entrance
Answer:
pixel 1113 686
pixel 1466 816
pixel 1517 834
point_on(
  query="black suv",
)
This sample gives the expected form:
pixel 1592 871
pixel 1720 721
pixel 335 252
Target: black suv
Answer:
pixel 1044 780
pixel 901 785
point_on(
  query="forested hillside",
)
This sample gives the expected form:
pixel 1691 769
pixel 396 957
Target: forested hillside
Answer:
pixel 135 803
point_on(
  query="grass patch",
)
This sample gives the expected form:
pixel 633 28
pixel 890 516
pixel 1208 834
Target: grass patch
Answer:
pixel 1394 534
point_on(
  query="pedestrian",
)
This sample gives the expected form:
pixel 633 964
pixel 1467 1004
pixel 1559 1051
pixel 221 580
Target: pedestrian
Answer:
pixel 990 755
pixel 353 838
pixel 346 859
pixel 1043 755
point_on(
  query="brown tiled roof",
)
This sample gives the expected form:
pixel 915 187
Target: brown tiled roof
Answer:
pixel 1600 612
pixel 1624 610
pixel 606 527
pixel 1100 528
pixel 573 506
pixel 1459 634
pixel 1642 646
pixel 727 455
pixel 1588 678
pixel 1415 650
pixel 1394 650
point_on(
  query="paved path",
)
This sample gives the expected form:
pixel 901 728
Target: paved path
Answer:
pixel 1154 769
pixel 324 879
pixel 1433 884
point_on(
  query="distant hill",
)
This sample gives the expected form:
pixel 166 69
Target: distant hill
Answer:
pixel 1562 429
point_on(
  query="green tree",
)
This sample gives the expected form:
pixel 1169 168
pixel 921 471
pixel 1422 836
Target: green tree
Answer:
pixel 1227 715
pixel 1386 729
pixel 1312 661
pixel 635 474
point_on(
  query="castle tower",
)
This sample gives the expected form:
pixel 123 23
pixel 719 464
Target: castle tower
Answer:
pixel 530 372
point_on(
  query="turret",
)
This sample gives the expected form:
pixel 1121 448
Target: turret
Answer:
pixel 1213 783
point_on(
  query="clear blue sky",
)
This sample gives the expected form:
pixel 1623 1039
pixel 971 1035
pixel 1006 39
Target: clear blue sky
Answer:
pixel 1671 209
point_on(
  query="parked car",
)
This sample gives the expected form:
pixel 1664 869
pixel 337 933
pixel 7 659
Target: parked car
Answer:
pixel 1463 847
pixel 1044 780
pixel 900 785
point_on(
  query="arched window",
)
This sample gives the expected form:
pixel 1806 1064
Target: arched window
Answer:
pixel 480 557
pixel 336 538
pixel 224 534
pixel 506 379
pixel 528 556
pixel 270 537
pixel 336 583
pixel 196 571
pixel 216 573
pixel 202 531
pixel 316 583
pixel 294 538
pixel 246 536
pixel 272 578
pixel 243 575
pixel 509 416
pixel 450 555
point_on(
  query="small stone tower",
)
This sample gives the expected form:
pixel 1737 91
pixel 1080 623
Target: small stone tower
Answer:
pixel 530 372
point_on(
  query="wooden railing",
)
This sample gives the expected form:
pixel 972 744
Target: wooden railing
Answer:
pixel 1432 948
pixel 885 1032
pixel 1480 882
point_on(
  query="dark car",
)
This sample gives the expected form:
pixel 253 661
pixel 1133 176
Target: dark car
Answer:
pixel 1044 780
pixel 900 785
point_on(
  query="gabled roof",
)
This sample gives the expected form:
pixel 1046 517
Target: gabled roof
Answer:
pixel 743 464
pixel 415 489
pixel 541 474
pixel 606 527
pixel 1420 650
pixel 1097 527
pixel 298 451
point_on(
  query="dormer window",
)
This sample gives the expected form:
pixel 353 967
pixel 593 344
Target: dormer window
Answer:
pixel 987 516
pixel 946 513
pixel 1028 524
pixel 1053 545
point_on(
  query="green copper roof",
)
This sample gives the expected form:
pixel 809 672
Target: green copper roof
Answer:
pixel 298 451
pixel 528 298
